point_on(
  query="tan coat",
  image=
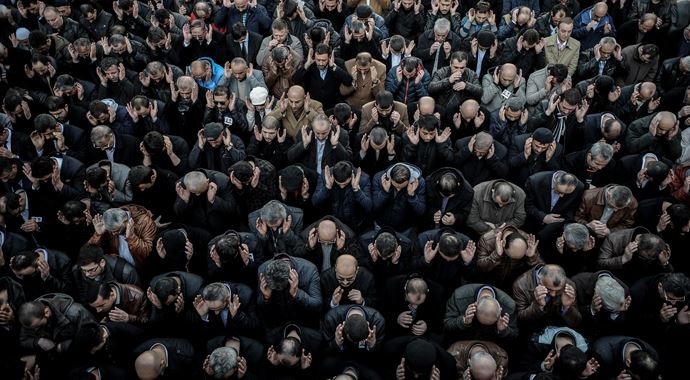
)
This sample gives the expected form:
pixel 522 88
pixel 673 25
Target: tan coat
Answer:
pixel 528 310
pixel 368 123
pixel 363 92
pixel 461 352
pixel 378 6
pixel 140 243
pixel 293 124
pixel 569 56
pixel 592 207
pixel 501 268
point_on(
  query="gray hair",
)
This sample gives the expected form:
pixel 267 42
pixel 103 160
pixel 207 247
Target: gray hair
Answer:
pixel 100 132
pixel 601 150
pixel 608 41
pixel 273 212
pixel 442 25
pixel 185 83
pixel 482 359
pixel 576 235
pixel 378 135
pixel 194 179
pixel 554 273
pixel 483 140
pixel 216 291
pixel 223 360
pixel 620 196
pixel 277 274
pixel 486 305
pixel 565 179
pixel 114 218
pixel 611 292
pixel 685 61
pixel 669 116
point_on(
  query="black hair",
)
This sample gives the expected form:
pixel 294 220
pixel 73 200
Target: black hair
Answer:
pixel 356 327
pixel 342 171
pixel 42 166
pixel 384 99
pixel 154 142
pixel 140 174
pixel 96 177
pixel 90 253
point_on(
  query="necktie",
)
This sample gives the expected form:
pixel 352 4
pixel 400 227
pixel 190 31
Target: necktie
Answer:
pixel 244 50
pixel 433 69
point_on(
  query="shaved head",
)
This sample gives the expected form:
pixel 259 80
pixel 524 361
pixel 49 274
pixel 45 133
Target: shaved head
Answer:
pixel 346 265
pixel 327 230
pixel 295 92
pixel 149 365
pixel 482 366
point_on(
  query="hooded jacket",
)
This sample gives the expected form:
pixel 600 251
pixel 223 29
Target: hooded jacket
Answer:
pixel 398 209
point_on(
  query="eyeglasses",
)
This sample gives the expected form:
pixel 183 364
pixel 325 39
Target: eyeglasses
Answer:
pixel 91 270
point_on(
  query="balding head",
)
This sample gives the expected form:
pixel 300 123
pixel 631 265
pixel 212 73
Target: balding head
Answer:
pixel 600 9
pixel 488 310
pixel 647 90
pixel 508 74
pixel 665 122
pixel 295 97
pixel 482 366
pixel 469 109
pixel 426 105
pixel 149 365
pixel 346 270
pixel 327 231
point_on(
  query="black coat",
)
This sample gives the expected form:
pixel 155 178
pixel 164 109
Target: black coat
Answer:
pixel 576 163
pixel 327 90
pixel 480 170
pixel 338 315
pixel 459 205
pixel 126 151
pixel 600 323
pixel 364 282
pixel 627 169
pixel 423 49
pixel 538 199
pixel 592 131
pixel 609 353
pixel 234 269
pixel 520 168
pixel 233 49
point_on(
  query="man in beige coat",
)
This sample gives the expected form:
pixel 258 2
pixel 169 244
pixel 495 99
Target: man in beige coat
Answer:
pixel 561 48
pixel 369 76
pixel 296 110
pixel 386 113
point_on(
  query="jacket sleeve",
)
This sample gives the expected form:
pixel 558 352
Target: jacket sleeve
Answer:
pixel 473 87
pixel 453 320
pixel 311 298
pixel 535 92
pixel 490 89
pixel 531 209
pixel 637 139
pixel 527 308
pixel 418 201
pixel 438 84
pixel 474 220
pixel 363 196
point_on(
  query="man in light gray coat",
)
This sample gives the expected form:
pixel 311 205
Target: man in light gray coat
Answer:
pixel 500 84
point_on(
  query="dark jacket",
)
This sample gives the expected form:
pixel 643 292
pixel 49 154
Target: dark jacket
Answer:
pixel 304 308
pixel 526 60
pixel 442 90
pixel 538 199
pixel 428 156
pixel 116 270
pixel 100 27
pixel 592 207
pixel 166 320
pixel 611 257
pixel 459 302
pixel 450 274
pixel 126 151
pixel 276 242
pixel 588 66
pixel 364 282
pixel 458 205
pixel 316 255
pixel 234 268
pixel 628 169
pixel 257 19
pixel 639 140
pixel 67 317
pixel 395 301
pixel 234 50
pixel 589 38
pixel 405 22
pixel 571 137
pixel 480 170
pixel 407 90
pixel 609 353
pixel 385 268
pixel 58 280
pixel 308 156
pixel 352 207
pixel 216 216
pixel 521 168
pixel 423 50
pixel 604 322
pixel 398 209
pixel 576 163
pixel 670 75
pixel 326 90
pixel 336 316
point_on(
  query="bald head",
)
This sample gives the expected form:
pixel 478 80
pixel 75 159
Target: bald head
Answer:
pixel 346 265
pixel 426 105
pixel 488 310
pixel 482 366
pixel 327 230
pixel 600 9
pixel 149 365
pixel 665 122
pixel 469 109
pixel 295 91
pixel 508 74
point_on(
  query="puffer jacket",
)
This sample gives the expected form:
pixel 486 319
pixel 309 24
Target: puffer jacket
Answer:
pixel 407 90
pixel 66 319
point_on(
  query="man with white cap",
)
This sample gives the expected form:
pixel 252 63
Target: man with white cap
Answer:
pixel 258 106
